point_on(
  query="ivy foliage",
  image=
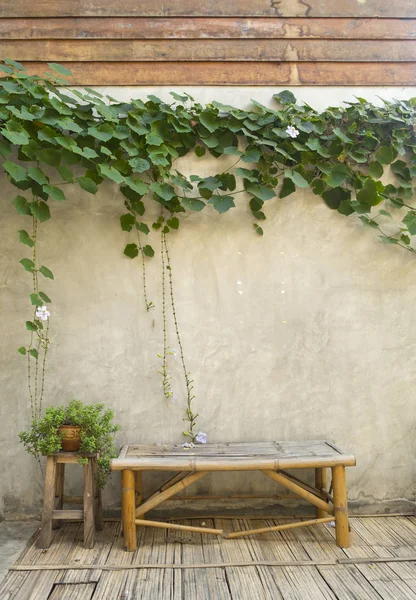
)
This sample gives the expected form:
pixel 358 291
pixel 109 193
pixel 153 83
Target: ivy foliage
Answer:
pixel 51 136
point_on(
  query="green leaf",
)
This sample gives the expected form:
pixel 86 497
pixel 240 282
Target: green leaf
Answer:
pixel 247 174
pixel 111 173
pixel 154 140
pixel 37 175
pixel 5 148
pixel 46 272
pixel 45 298
pixel 288 187
pixel 35 300
pixel 131 250
pixel 192 204
pixel 25 238
pixel 260 191
pixel 40 210
pixel 375 169
pixel 30 326
pixel 16 134
pixel 60 69
pixel 137 185
pixel 54 192
pixel 164 190
pixel 222 203
pixel 258 229
pixel 388 240
pixel 148 250
pixel 50 156
pixel 103 132
pixel 33 352
pixel 208 120
pixel 368 196
pixel 22 350
pixel 16 172
pixel 173 223
pixel 410 221
pixel 285 97
pixel 27 264
pixel 405 239
pixel 385 155
pixel 143 228
pixel 200 151
pixel 22 206
pixel 341 135
pixel 88 184
pixel 334 197
pixel 337 175
pixel 139 165
pixel 127 222
pixel 297 178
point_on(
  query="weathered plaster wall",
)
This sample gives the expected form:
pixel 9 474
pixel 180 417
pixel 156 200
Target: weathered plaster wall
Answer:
pixel 307 332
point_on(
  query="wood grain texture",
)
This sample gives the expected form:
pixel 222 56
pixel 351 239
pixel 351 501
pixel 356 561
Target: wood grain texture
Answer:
pixel 137 28
pixel 232 73
pixel 211 50
pixel 214 8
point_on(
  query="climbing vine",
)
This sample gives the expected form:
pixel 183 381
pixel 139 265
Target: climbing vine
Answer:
pixel 360 159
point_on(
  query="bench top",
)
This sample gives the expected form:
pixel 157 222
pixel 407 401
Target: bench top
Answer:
pixel 242 456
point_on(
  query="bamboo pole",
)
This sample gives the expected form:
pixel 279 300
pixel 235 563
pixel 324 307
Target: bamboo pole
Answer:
pixel 238 534
pixel 300 491
pixel 163 525
pixel 320 484
pixel 128 506
pixel 173 480
pixel 340 506
pixel 159 498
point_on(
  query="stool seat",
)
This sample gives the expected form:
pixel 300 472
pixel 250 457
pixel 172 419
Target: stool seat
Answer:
pixel 53 512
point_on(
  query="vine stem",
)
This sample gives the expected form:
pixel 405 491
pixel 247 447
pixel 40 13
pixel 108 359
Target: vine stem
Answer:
pixel 190 416
pixel 148 304
pixel 164 372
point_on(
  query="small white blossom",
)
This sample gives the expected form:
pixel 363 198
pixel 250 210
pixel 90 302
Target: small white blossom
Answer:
pixel 42 313
pixel 201 437
pixel 292 131
pixel 188 445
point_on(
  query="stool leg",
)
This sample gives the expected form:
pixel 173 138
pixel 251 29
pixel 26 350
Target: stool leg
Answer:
pixel 128 506
pixel 98 508
pixel 89 505
pixel 320 482
pixel 45 536
pixel 59 492
pixel 340 507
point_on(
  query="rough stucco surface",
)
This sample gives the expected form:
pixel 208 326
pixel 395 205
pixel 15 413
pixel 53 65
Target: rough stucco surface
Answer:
pixel 305 333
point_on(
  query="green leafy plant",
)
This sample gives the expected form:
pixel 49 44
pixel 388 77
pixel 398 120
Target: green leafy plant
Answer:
pixel 51 137
pixel 97 433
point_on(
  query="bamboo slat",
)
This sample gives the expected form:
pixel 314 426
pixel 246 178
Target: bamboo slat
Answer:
pixel 135 28
pixel 68 514
pixel 235 73
pixel 72 591
pixel 214 8
pixel 211 50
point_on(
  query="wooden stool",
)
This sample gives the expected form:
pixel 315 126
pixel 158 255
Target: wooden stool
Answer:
pixel 53 513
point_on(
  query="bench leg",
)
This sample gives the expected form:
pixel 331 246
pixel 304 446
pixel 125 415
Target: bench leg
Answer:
pixel 320 483
pixel 340 507
pixel 128 507
pixel 89 525
pixel 59 492
pixel 45 536
pixel 98 503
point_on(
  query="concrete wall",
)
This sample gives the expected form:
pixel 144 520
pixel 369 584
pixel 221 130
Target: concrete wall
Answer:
pixel 305 333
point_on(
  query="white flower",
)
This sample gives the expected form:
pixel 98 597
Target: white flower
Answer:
pixel 188 445
pixel 292 131
pixel 42 313
pixel 201 437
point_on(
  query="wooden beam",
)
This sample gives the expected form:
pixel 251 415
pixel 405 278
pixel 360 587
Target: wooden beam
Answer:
pixel 136 28
pixel 213 8
pixel 210 50
pixel 300 491
pixel 238 534
pixel 163 525
pixel 157 499
pixel 231 73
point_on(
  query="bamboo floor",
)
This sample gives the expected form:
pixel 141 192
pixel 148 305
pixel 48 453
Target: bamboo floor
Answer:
pixel 302 564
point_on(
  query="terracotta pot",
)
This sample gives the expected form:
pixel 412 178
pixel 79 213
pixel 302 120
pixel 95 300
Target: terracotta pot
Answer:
pixel 71 437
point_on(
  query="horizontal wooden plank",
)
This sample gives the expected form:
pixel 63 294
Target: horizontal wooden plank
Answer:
pixel 217 50
pixel 213 8
pixel 196 28
pixel 232 73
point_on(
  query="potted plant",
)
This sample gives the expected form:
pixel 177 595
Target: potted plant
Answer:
pixel 84 428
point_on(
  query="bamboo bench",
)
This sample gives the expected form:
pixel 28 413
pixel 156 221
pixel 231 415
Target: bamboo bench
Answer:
pixel 271 458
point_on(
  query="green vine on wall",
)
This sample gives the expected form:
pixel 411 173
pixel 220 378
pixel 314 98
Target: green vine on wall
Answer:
pixel 341 154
